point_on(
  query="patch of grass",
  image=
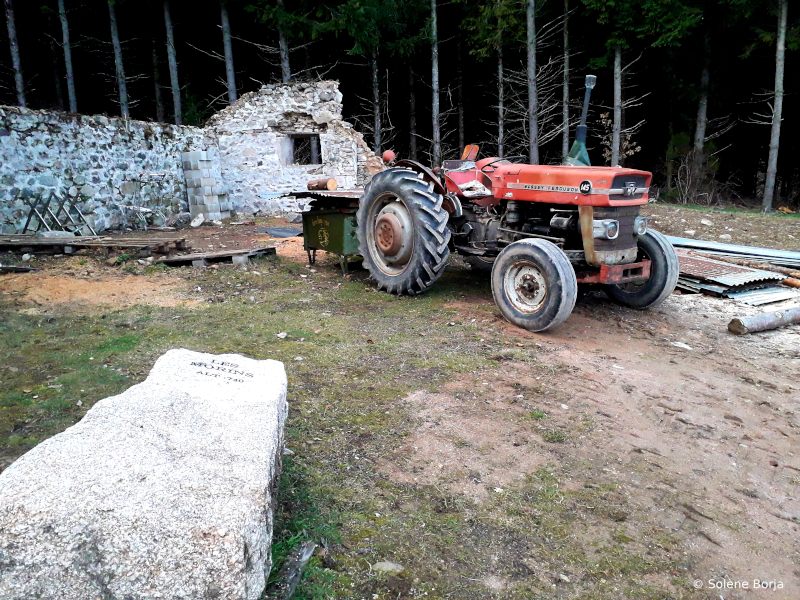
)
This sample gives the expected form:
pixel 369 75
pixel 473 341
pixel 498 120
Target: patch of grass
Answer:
pixel 129 268
pixel 554 436
pixel 117 345
pixel 538 414
pixel 154 269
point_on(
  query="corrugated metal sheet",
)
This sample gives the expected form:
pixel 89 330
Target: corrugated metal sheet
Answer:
pixel 778 262
pixel 723 273
pixel 778 257
pixel 765 296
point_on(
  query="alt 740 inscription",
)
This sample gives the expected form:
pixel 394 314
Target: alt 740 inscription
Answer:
pixel 226 371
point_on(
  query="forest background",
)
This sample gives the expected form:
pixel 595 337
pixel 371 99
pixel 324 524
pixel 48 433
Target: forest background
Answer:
pixel 702 93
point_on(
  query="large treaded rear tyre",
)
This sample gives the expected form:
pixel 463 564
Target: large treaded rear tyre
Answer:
pixel 402 232
pixel 534 284
pixel 664 271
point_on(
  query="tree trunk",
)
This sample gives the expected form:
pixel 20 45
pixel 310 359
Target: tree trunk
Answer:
pixel 437 133
pixel 533 99
pixel 62 13
pixel 157 85
pixel 461 130
pixel 283 45
pixel 14 46
pixel 617 126
pixel 376 103
pixel 121 83
pixel 500 111
pixel 226 44
pixel 412 116
pixel 565 99
pixel 702 111
pixel 54 53
pixel 775 136
pixel 173 66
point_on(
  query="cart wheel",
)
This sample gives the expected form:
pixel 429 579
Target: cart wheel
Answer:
pixel 534 284
pixel 664 271
pixel 402 232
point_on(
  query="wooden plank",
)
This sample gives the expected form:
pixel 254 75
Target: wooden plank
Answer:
pixel 215 256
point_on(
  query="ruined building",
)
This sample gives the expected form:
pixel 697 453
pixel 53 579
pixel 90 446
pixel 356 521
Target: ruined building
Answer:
pixel 256 152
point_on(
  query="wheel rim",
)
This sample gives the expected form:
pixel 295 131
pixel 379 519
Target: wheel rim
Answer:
pixel 390 234
pixel 525 287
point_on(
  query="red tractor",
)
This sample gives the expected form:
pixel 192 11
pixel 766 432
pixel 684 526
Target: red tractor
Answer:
pixel 540 229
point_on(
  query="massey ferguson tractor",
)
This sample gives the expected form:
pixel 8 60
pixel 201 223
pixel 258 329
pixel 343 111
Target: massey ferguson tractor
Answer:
pixel 542 230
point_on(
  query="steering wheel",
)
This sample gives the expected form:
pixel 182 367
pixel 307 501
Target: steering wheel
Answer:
pixel 497 160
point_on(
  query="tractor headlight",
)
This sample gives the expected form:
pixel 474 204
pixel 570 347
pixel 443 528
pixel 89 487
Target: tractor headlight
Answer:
pixel 640 225
pixel 605 229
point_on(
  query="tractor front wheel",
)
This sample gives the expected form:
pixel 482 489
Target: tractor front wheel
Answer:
pixel 664 271
pixel 402 232
pixel 534 284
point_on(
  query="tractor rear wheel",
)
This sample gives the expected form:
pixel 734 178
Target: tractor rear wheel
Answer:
pixel 664 271
pixel 402 232
pixel 534 284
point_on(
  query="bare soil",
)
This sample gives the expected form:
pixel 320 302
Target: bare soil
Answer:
pixel 704 442
pixel 746 228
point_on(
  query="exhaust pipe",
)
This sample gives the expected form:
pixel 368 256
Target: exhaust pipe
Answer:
pixel 578 156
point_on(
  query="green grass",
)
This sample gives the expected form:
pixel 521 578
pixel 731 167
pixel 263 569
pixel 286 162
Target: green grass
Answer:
pixel 346 415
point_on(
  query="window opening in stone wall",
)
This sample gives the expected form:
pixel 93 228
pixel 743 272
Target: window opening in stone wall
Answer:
pixel 305 149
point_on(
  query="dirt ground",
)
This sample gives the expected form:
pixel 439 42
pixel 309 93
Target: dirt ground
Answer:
pixel 697 443
pixel 704 441
pixel 746 228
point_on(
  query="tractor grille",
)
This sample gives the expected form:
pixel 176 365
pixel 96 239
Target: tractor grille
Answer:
pixel 626 238
pixel 624 181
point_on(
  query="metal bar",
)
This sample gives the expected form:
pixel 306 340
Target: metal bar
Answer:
pixel 534 235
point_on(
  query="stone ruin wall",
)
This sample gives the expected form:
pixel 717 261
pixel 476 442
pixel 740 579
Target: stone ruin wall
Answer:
pixel 254 136
pixel 99 160
pixel 95 159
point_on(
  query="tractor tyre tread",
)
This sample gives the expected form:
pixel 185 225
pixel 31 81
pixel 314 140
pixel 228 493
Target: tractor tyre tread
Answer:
pixel 664 272
pixel 432 236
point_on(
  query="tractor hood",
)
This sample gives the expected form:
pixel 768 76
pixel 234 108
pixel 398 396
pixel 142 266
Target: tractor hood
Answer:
pixel 592 186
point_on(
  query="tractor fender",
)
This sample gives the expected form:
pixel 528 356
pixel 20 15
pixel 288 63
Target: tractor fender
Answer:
pixel 450 203
pixel 427 174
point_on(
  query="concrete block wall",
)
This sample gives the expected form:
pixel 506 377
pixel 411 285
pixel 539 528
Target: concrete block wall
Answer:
pixel 205 192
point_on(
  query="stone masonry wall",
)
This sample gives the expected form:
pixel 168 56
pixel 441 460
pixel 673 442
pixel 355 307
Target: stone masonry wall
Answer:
pixel 96 159
pixel 255 152
pixel 106 162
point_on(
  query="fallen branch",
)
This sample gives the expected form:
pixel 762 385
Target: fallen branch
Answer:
pixel 291 573
pixel 764 321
